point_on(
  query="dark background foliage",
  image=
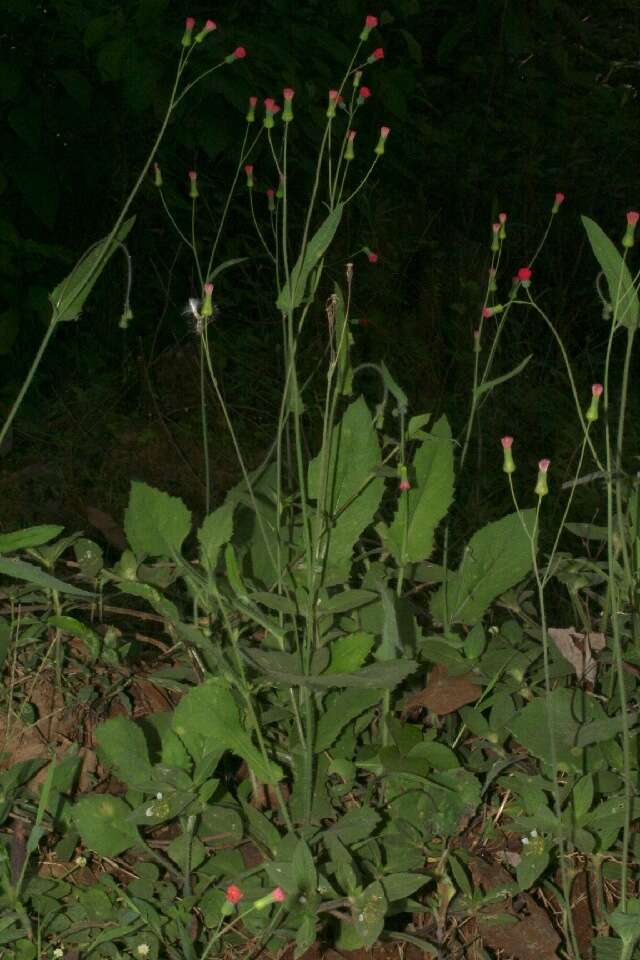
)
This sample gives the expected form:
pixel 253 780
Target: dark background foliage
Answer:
pixel 493 105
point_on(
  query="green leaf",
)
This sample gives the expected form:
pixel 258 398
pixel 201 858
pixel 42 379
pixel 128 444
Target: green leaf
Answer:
pixel 68 298
pixel 345 601
pixel 352 493
pixel 582 796
pixel 30 537
pixel 348 653
pixel 123 749
pixel 75 628
pixel 398 886
pixel 530 726
pixel 341 709
pixel 626 923
pixel 534 861
pixel 490 384
pixel 225 266
pixel 622 293
pixel 426 503
pixel 20 570
pixel 370 909
pixel 102 822
pixel 304 870
pixel 496 558
pixel 293 292
pixel 155 523
pixel 215 532
pixel 210 713
pixel 284 668
pixel 355 825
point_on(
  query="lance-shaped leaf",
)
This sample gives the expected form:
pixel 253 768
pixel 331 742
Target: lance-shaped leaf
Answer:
pixel 622 293
pixel 68 298
pixel 496 558
pixel 347 485
pixel 421 508
pixel 210 716
pixel 292 294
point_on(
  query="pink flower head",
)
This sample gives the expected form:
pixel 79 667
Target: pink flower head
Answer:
pixel 506 443
pixel 193 176
pixel 378 54
pixel 288 93
pixel 405 485
pixel 364 92
pixel 351 135
pixel 495 227
pixel 239 53
pixel 209 26
pixel 543 465
pixel 558 199
pixel 253 102
pixel 371 22
pixel 248 169
pixel 271 106
pixel 333 95
pixel 208 289
pixel 233 893
pixel 502 217
pixel 271 193
pixel 487 312
pixel 384 132
pixel 372 256
pixel 278 895
pixel 632 217
pixel 189 24
pixel 597 389
pixel 524 274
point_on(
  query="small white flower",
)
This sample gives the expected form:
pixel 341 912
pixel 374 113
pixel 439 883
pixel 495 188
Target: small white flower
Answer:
pixel 149 812
pixel 534 834
pixel 158 796
pixel 143 949
pixel 80 861
pixel 525 840
pixel 58 952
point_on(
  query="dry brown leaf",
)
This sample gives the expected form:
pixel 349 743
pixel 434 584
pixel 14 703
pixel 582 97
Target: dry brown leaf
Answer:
pixel 111 531
pixel 578 649
pixel 444 694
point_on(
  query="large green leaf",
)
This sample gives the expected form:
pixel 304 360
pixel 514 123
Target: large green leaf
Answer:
pixel 29 537
pixel 20 570
pixel 622 293
pixel 216 530
pixel 351 493
pixel 68 298
pixel 422 508
pixel 496 558
pixel 123 748
pixel 155 523
pixel 103 825
pixel 567 711
pixel 283 668
pixel 292 293
pixel 210 713
pixel 341 709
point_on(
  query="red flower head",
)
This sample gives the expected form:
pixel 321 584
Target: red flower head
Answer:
pixel 558 199
pixel 189 24
pixel 378 54
pixel 371 22
pixel 271 193
pixel 372 256
pixel 210 25
pixel 506 442
pixel 364 92
pixel 333 95
pixel 502 217
pixel 543 465
pixel 239 53
pixel 278 895
pixel 288 93
pixel 234 894
pixel 253 102
pixel 632 217
pixel 384 132
pixel 248 168
pixel 597 389
pixel 271 106
pixel 351 136
pixel 524 274
pixel 487 312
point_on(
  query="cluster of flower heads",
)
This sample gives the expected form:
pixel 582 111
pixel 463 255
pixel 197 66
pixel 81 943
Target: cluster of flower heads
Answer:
pixel 209 26
pixel 541 488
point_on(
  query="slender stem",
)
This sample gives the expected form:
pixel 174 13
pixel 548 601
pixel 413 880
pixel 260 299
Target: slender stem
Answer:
pixel 17 403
